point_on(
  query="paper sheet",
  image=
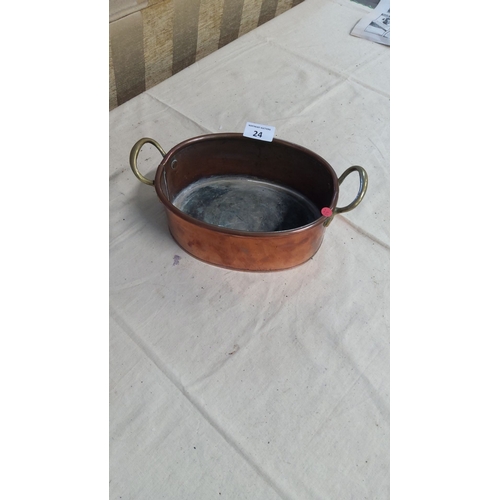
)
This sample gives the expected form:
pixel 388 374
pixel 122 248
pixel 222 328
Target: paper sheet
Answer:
pixel 376 25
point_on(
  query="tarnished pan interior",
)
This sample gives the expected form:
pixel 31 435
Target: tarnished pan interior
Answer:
pixel 241 184
pixel 246 204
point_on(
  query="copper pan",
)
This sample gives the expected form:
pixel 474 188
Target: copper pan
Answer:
pixel 245 204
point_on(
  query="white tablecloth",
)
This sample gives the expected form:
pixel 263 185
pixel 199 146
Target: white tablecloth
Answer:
pixel 228 384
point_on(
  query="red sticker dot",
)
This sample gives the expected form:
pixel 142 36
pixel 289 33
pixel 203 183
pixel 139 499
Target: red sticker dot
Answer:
pixel 327 212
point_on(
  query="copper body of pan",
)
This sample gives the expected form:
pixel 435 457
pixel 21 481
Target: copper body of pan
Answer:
pixel 246 204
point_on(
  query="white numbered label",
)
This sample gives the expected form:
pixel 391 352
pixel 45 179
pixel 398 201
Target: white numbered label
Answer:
pixel 260 132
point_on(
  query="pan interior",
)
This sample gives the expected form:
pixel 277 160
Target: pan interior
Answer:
pixel 246 204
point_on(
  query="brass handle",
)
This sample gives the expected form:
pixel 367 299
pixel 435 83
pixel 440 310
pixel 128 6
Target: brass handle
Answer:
pixel 363 185
pixel 135 153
